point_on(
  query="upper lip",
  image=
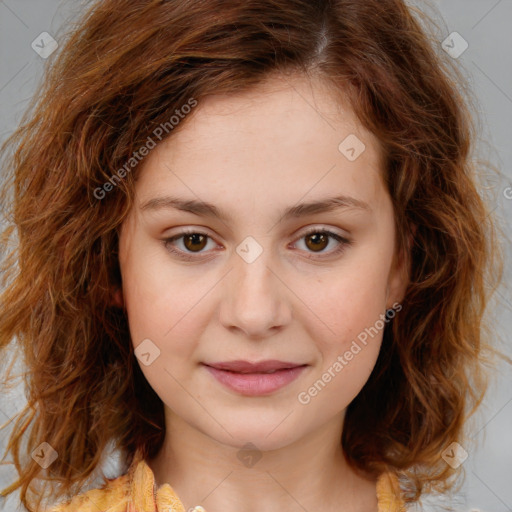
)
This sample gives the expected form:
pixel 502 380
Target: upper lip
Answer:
pixel 250 367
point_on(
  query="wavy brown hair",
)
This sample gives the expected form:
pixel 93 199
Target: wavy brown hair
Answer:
pixel 123 70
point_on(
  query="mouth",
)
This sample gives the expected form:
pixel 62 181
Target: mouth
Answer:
pixel 255 378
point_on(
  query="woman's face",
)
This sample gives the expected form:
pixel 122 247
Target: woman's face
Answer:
pixel 252 285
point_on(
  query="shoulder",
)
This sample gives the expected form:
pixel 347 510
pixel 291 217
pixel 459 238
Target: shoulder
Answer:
pixel 113 496
pixel 135 491
pixel 389 495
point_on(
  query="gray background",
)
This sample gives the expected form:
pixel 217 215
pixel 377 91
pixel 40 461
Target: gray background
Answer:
pixel 487 63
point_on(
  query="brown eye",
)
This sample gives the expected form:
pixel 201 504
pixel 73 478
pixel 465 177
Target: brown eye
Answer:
pixel 317 241
pixel 195 242
pixel 191 244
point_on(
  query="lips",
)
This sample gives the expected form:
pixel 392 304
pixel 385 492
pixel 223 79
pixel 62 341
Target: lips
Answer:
pixel 255 379
pixel 240 366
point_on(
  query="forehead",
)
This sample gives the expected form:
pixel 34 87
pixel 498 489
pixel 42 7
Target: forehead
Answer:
pixel 282 138
pixel 293 108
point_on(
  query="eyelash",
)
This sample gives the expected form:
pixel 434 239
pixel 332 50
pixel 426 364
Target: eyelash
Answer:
pixel 343 243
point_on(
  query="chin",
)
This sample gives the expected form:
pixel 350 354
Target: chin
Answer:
pixel 270 433
pixel 259 441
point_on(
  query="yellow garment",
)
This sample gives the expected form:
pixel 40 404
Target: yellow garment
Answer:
pixel 136 491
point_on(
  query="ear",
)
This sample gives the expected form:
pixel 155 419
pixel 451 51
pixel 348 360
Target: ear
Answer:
pixel 399 274
pixel 117 298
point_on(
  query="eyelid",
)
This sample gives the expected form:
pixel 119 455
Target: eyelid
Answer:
pixel 320 229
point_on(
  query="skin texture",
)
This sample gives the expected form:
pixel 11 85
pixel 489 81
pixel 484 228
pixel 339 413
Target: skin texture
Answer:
pixel 253 155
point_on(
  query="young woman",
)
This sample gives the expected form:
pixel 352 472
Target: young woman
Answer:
pixel 252 255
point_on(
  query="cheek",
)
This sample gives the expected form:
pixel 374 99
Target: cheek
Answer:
pixel 348 335
pixel 165 305
pixel 345 304
pixel 349 305
pixel 171 317
pixel 340 381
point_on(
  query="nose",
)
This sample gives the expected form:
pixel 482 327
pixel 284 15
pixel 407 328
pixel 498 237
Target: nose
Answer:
pixel 255 300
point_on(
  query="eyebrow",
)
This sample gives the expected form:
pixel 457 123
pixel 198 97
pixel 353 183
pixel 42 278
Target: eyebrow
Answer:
pixel 206 209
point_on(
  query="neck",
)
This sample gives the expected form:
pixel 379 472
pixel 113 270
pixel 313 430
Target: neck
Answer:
pixel 308 474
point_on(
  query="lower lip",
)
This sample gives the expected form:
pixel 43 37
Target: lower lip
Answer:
pixel 254 384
